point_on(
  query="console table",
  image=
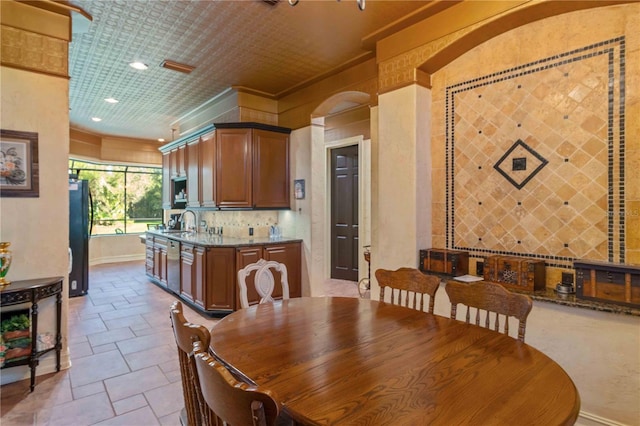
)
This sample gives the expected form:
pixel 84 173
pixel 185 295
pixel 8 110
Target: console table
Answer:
pixel 33 291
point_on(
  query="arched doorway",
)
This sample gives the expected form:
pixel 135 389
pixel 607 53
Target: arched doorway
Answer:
pixel 341 122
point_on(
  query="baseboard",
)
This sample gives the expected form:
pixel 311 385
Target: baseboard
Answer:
pixel 46 365
pixel 589 419
pixel 116 259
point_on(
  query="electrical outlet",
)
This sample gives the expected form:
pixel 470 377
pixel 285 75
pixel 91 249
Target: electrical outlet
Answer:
pixel 567 278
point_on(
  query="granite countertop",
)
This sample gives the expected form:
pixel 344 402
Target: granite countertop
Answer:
pixel 550 295
pixel 208 240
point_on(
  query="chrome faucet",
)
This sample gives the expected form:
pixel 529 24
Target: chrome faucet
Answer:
pixel 195 220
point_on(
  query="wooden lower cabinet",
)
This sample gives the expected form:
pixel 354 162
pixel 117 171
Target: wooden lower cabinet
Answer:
pixel 209 275
pixel 188 280
pixel 160 260
pixel 149 256
pixel 287 253
pixel 215 278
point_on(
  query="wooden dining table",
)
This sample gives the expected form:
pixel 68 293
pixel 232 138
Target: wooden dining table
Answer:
pixel 348 361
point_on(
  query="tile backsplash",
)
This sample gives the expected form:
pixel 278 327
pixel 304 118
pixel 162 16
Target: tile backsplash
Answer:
pixel 237 223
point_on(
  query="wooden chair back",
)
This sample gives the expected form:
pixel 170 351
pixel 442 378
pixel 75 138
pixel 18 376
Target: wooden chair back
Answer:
pixel 185 334
pixel 230 401
pixel 264 281
pixel 490 297
pixel 408 287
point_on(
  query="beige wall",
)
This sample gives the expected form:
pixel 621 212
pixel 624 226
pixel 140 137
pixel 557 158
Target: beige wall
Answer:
pixel 38 228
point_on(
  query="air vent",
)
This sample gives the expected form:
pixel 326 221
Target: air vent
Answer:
pixel 176 66
pixel 271 2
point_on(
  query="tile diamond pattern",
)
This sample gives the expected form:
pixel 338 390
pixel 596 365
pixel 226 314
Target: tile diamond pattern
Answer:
pixel 525 164
pixel 562 190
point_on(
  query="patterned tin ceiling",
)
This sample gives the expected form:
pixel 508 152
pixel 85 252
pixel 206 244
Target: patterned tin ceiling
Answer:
pixel 251 43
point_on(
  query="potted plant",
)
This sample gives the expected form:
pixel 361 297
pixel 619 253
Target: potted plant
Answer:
pixel 15 327
pixel 3 349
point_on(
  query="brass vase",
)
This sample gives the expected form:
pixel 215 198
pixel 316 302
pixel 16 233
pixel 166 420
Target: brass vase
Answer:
pixel 5 262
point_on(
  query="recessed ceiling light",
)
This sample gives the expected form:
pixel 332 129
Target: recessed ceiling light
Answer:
pixel 112 100
pixel 96 118
pixel 138 65
pixel 160 139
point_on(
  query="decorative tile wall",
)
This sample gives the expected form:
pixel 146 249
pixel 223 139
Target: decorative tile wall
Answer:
pixel 237 223
pixel 535 158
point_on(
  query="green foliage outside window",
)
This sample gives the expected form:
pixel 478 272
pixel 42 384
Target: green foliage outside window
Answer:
pixel 125 198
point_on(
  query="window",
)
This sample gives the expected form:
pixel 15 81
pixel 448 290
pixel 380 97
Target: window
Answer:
pixel 126 199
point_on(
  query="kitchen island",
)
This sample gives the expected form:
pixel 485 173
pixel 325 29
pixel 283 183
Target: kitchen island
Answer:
pixel 202 269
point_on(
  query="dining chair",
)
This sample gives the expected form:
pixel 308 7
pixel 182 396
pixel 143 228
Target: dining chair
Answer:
pixel 408 287
pixel 228 400
pixel 263 280
pixel 185 334
pixel 490 298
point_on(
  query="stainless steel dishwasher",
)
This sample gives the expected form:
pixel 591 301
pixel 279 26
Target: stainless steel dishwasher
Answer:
pixel 173 266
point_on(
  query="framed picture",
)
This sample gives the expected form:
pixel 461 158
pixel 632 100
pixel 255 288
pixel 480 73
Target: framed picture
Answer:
pixel 19 168
pixel 298 189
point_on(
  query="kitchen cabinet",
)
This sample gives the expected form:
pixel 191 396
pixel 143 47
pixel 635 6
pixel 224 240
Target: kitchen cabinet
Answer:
pixel 233 168
pixel 177 162
pixel 216 276
pixel 193 173
pixel 208 272
pixel 286 253
pixel 207 169
pixel 160 260
pixel 149 255
pixel 270 169
pixel 188 280
pixel 252 166
pixel 229 166
pixel 166 180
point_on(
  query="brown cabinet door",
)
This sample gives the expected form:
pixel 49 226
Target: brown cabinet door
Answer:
pixel 160 260
pixel 187 272
pixel 149 255
pixel 173 163
pixel 221 278
pixel 289 254
pixel 207 170
pixel 192 160
pixel 166 180
pixel 244 257
pixel 270 169
pixel 200 261
pixel 214 273
pixel 233 168
pixel 182 161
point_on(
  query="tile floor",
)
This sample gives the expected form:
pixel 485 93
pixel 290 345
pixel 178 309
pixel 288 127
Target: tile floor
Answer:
pixel 124 363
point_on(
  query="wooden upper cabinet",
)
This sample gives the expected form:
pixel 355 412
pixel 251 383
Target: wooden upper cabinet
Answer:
pixel 229 165
pixel 270 169
pixel 182 161
pixel 166 180
pixel 233 168
pixel 207 170
pixel 177 162
pixel 192 161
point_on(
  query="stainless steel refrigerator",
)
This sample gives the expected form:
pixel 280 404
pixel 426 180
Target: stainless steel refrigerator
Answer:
pixel 80 223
